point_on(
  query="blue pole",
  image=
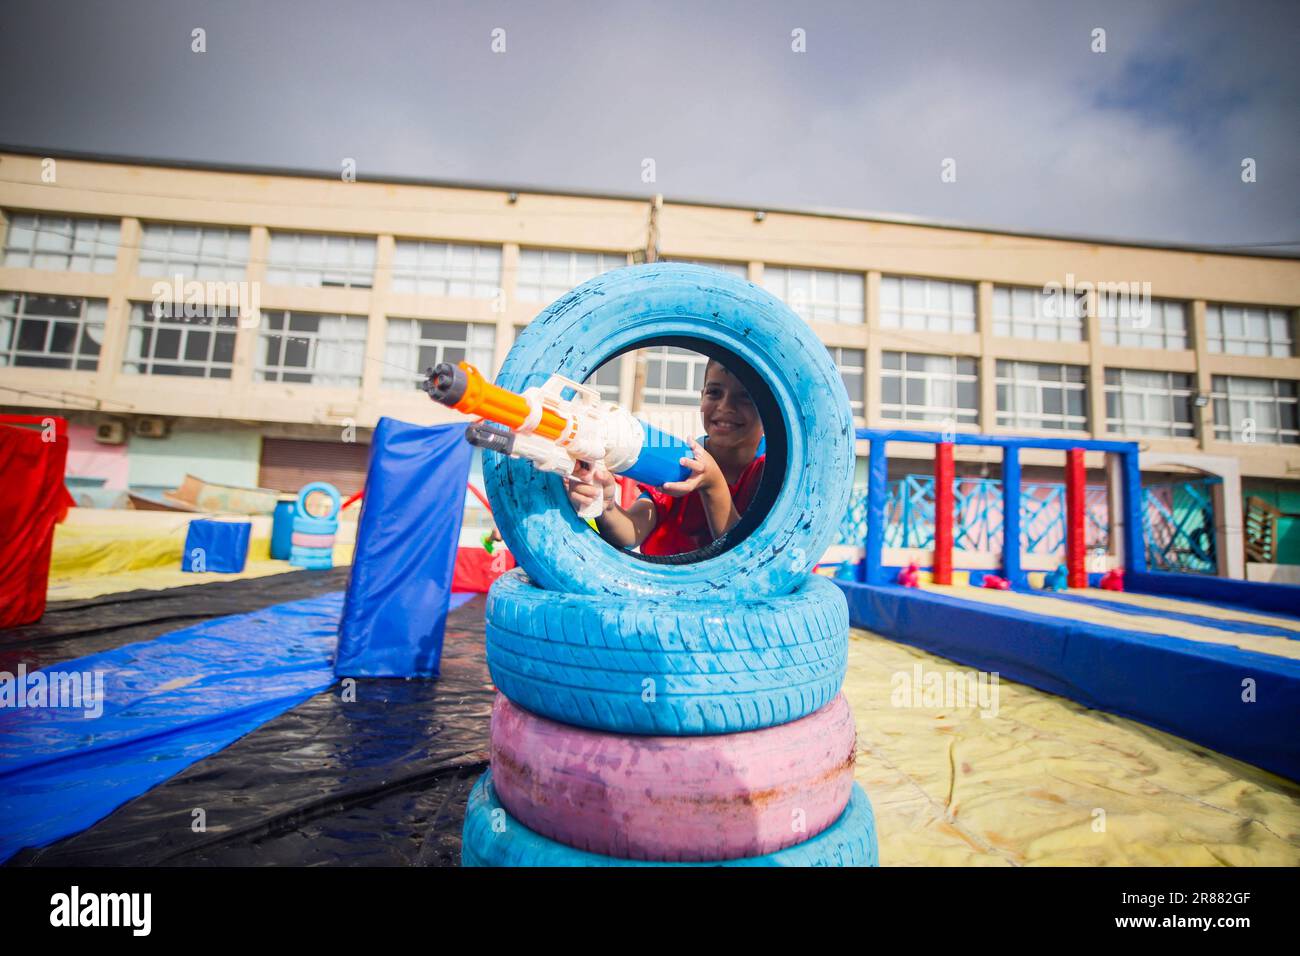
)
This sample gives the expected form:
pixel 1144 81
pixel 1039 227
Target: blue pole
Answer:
pixel 877 466
pixel 1135 557
pixel 1011 517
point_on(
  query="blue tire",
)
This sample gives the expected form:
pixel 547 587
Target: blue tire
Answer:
pixel 648 666
pixel 304 525
pixel 491 837
pixel 809 431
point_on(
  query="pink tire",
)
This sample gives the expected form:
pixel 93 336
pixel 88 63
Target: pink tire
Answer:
pixel 302 540
pixel 674 799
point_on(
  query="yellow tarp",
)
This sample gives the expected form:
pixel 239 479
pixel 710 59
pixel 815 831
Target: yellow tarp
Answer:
pixel 100 555
pixel 1049 782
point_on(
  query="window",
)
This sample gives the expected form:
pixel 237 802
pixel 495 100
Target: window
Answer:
pixel 1042 395
pixel 447 269
pixel 816 295
pixel 1038 314
pixel 1248 330
pixel 926 305
pixel 606 380
pixel 1135 322
pixel 166 339
pixel 1149 403
pixel 929 388
pixel 416 345
pixel 315 260
pixel 546 274
pixel 49 331
pixel 194 252
pixel 851 363
pixel 673 376
pixel 738 269
pixel 312 349
pixel 1255 410
pixel 62 244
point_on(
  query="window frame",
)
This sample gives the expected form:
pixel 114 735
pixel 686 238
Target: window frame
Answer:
pixel 134 362
pixel 77 360
pixel 1012 417
pixel 928 410
pixel 1149 427
pixel 352 345
pixel 928 317
pixel 32 251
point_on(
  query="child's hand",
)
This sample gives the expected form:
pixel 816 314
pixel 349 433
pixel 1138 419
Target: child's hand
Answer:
pixel 705 474
pixel 586 482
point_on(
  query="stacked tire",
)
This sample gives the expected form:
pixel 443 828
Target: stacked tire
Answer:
pixel 655 713
pixel 312 543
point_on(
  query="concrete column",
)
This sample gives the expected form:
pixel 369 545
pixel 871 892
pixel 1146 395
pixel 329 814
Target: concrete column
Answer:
pixel 988 363
pixel 112 351
pixel 871 361
pixel 372 372
pixel 1096 369
pixel 505 317
pixel 246 339
pixel 1204 417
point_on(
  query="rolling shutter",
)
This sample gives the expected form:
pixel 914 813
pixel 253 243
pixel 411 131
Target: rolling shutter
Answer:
pixel 289 463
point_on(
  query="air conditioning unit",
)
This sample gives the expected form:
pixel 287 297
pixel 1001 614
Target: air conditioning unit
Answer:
pixel 150 428
pixel 110 433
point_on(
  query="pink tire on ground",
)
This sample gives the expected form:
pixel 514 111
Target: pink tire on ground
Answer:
pixel 303 540
pixel 678 799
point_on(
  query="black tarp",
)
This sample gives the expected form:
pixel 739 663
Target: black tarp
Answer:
pixel 379 781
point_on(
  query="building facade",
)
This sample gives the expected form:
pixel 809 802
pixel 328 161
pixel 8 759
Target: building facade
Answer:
pixel 248 324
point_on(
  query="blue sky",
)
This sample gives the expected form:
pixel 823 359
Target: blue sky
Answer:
pixel 1143 141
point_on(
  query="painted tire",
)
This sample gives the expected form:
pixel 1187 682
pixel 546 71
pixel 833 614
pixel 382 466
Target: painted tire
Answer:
pixel 491 837
pixel 302 540
pixel 303 525
pixel 811 458
pixel 674 798
pixel 336 501
pixel 311 559
pixel 645 666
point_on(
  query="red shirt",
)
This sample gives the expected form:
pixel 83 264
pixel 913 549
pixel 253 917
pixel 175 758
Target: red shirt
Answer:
pixel 680 523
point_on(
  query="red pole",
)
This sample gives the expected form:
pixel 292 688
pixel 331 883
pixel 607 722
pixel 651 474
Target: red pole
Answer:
pixel 1075 548
pixel 943 513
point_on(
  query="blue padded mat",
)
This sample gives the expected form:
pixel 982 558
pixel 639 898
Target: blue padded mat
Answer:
pixel 1188 688
pixel 166 703
pixel 1189 616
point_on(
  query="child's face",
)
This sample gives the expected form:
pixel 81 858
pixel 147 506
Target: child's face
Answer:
pixel 728 413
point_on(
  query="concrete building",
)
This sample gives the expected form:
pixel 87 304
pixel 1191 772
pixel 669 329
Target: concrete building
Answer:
pixel 306 308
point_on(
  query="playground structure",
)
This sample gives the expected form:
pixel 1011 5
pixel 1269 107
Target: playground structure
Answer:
pixel 1196 668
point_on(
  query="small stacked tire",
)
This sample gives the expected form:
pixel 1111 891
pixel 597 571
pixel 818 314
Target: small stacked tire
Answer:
pixel 674 714
pixel 312 542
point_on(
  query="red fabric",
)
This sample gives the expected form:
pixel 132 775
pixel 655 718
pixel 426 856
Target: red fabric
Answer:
pixel 681 524
pixel 33 500
pixel 476 569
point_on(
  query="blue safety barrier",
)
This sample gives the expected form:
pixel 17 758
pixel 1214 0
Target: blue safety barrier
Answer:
pixel 220 546
pixel 1192 689
pixel 400 584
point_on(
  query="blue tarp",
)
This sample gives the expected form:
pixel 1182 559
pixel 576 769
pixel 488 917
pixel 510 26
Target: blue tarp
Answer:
pixel 166 703
pixel 397 599
pixel 1238 702
pixel 220 546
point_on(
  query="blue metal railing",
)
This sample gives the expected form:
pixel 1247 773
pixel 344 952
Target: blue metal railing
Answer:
pixel 1178 524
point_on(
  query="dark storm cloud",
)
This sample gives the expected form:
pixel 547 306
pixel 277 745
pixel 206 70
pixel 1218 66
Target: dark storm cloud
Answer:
pixel 1144 141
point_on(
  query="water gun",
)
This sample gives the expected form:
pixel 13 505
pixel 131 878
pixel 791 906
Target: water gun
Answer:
pixel 557 433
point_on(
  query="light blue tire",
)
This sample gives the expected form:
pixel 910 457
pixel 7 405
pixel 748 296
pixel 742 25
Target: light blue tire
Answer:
pixel 811 455
pixel 652 666
pixel 315 525
pixel 491 837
